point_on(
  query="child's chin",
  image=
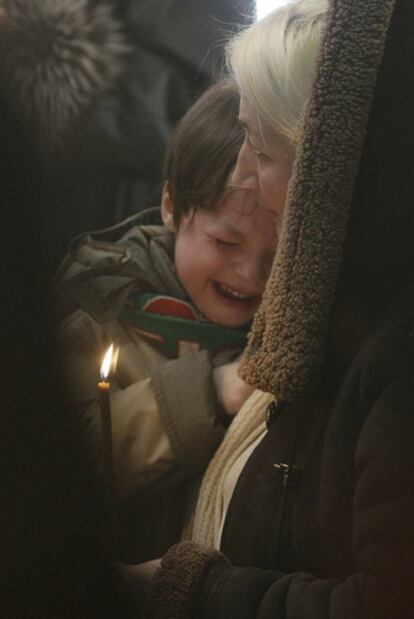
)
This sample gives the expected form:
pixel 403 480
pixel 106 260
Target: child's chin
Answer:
pixel 232 319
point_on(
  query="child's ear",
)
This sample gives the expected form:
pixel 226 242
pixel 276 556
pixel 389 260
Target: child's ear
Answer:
pixel 167 208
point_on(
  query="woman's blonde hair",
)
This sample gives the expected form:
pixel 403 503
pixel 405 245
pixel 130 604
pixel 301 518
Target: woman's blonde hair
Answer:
pixel 274 63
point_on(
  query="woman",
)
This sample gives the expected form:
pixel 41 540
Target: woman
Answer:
pixel 320 521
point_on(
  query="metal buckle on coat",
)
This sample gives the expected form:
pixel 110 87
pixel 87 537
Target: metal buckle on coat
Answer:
pixel 291 474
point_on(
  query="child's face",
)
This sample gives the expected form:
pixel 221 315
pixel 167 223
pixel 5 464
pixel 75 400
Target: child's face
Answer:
pixel 223 258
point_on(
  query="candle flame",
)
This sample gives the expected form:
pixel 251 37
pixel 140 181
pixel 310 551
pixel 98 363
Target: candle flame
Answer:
pixel 109 362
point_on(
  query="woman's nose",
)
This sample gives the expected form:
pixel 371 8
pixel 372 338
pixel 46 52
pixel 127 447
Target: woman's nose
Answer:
pixel 244 174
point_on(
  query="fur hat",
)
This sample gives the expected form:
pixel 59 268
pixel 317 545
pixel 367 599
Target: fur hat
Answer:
pixel 56 58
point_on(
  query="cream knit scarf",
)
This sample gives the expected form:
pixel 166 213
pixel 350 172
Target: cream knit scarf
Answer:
pixel 244 430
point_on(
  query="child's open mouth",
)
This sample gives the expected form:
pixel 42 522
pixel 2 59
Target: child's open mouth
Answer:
pixel 235 295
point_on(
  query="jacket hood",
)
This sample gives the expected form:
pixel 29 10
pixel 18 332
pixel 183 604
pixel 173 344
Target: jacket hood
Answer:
pixel 102 268
pixel 56 59
pixel 348 228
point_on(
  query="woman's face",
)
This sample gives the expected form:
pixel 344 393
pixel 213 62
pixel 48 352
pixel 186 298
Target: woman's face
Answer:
pixel 264 162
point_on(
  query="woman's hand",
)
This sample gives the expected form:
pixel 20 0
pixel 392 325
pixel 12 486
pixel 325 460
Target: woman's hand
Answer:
pixel 232 391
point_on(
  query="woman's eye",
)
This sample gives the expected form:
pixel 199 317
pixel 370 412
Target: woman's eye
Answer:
pixel 257 152
pixel 261 155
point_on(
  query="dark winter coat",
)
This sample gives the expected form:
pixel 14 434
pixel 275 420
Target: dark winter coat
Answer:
pixel 334 342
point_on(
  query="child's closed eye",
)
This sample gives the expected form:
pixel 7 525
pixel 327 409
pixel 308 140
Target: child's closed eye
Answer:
pixel 222 242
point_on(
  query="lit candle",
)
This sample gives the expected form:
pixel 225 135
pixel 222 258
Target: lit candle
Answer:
pixel 104 385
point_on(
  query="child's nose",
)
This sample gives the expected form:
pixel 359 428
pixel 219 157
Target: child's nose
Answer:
pixel 253 270
pixel 244 174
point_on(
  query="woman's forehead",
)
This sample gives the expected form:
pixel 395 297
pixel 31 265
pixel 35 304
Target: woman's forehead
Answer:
pixel 260 130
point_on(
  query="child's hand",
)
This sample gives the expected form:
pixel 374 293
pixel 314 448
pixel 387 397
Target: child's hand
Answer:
pixel 232 391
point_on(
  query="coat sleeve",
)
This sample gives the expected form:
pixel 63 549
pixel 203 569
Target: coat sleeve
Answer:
pixel 164 420
pixel 382 586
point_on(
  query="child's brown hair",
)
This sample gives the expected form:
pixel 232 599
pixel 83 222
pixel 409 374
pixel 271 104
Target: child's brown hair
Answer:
pixel 203 150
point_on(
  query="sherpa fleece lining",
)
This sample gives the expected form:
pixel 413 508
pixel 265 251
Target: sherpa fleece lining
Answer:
pixel 177 582
pixel 286 343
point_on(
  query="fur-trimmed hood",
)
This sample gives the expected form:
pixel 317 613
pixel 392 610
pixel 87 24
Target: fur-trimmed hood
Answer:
pixel 348 231
pixel 56 58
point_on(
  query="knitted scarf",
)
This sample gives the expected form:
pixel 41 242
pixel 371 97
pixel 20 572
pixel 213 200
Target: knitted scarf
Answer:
pixel 244 430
